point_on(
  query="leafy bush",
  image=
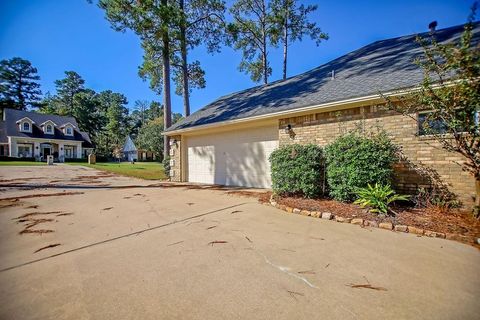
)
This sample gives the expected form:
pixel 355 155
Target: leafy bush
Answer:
pixel 355 160
pixel 298 170
pixel 378 197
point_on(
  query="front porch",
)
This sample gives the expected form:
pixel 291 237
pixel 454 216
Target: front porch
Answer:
pixel 40 149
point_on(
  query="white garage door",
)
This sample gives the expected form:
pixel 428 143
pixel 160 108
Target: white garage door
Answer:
pixel 234 158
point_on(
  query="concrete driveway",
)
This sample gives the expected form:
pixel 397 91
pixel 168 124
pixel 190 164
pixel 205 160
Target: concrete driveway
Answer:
pixel 122 248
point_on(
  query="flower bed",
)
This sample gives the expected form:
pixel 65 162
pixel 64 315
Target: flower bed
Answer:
pixel 453 224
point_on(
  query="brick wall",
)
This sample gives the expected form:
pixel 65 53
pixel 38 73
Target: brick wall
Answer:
pixel 425 160
pixel 175 158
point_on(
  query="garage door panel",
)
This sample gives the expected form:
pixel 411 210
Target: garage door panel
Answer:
pixel 236 158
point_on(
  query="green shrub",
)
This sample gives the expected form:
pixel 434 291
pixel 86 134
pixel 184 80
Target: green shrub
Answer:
pixel 355 160
pixel 378 198
pixel 298 170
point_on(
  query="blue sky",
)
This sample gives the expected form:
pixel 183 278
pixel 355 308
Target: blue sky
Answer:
pixel 60 35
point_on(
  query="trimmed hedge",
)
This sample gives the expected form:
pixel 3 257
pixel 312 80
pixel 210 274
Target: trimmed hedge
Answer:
pixel 7 158
pixel 81 160
pixel 354 161
pixel 298 170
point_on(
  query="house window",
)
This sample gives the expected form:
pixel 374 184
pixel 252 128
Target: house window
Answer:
pixel 49 128
pixel 68 152
pixel 429 124
pixel 69 131
pixel 24 151
pixel 26 126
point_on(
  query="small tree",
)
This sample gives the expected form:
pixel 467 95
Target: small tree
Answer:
pixel 450 91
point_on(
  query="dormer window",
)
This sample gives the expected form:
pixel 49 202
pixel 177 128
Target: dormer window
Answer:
pixel 68 129
pixel 48 127
pixel 25 124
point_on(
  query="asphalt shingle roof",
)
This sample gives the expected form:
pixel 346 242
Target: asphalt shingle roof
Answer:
pixel 382 66
pixel 9 127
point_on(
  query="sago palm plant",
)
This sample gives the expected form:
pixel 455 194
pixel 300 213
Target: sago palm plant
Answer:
pixel 378 198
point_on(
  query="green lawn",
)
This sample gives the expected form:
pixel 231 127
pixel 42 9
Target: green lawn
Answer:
pixel 143 170
pixel 22 163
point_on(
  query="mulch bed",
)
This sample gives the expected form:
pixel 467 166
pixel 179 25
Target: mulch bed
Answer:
pixel 454 221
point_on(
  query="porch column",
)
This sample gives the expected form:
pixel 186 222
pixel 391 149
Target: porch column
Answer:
pixel 61 152
pixel 36 150
pixel 13 147
pixel 79 151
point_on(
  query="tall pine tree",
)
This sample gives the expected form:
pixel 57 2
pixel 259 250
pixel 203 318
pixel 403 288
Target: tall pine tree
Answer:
pixel 19 87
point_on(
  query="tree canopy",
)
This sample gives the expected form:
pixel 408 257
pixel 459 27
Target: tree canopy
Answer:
pixel 19 87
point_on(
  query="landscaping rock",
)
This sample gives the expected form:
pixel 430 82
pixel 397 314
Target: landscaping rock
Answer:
pixel 295 210
pixel 440 235
pixel 386 225
pixel 434 234
pixel 357 221
pixel 478 240
pixel 273 203
pixel 289 209
pixel 305 213
pixel 370 223
pixel 327 215
pixel 401 228
pixel 454 236
pixel 415 230
pixel 317 214
pixel 342 219
pixel 282 207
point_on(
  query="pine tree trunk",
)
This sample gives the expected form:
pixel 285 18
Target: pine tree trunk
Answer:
pixel 476 208
pixel 264 46
pixel 285 41
pixel 167 105
pixel 183 44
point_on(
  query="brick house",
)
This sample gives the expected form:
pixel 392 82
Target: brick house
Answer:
pixel 229 141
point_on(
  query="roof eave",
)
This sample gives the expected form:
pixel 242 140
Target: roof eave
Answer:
pixel 329 106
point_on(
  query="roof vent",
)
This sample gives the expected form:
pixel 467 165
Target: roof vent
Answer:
pixel 432 26
pixel 333 74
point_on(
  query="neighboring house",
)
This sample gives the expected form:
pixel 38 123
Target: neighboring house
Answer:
pixel 229 141
pixel 26 134
pixel 131 153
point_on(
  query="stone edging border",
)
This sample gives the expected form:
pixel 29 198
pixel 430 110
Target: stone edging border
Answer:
pixel 364 223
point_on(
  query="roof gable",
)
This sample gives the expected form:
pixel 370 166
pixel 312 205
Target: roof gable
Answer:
pixel 48 122
pixel 25 119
